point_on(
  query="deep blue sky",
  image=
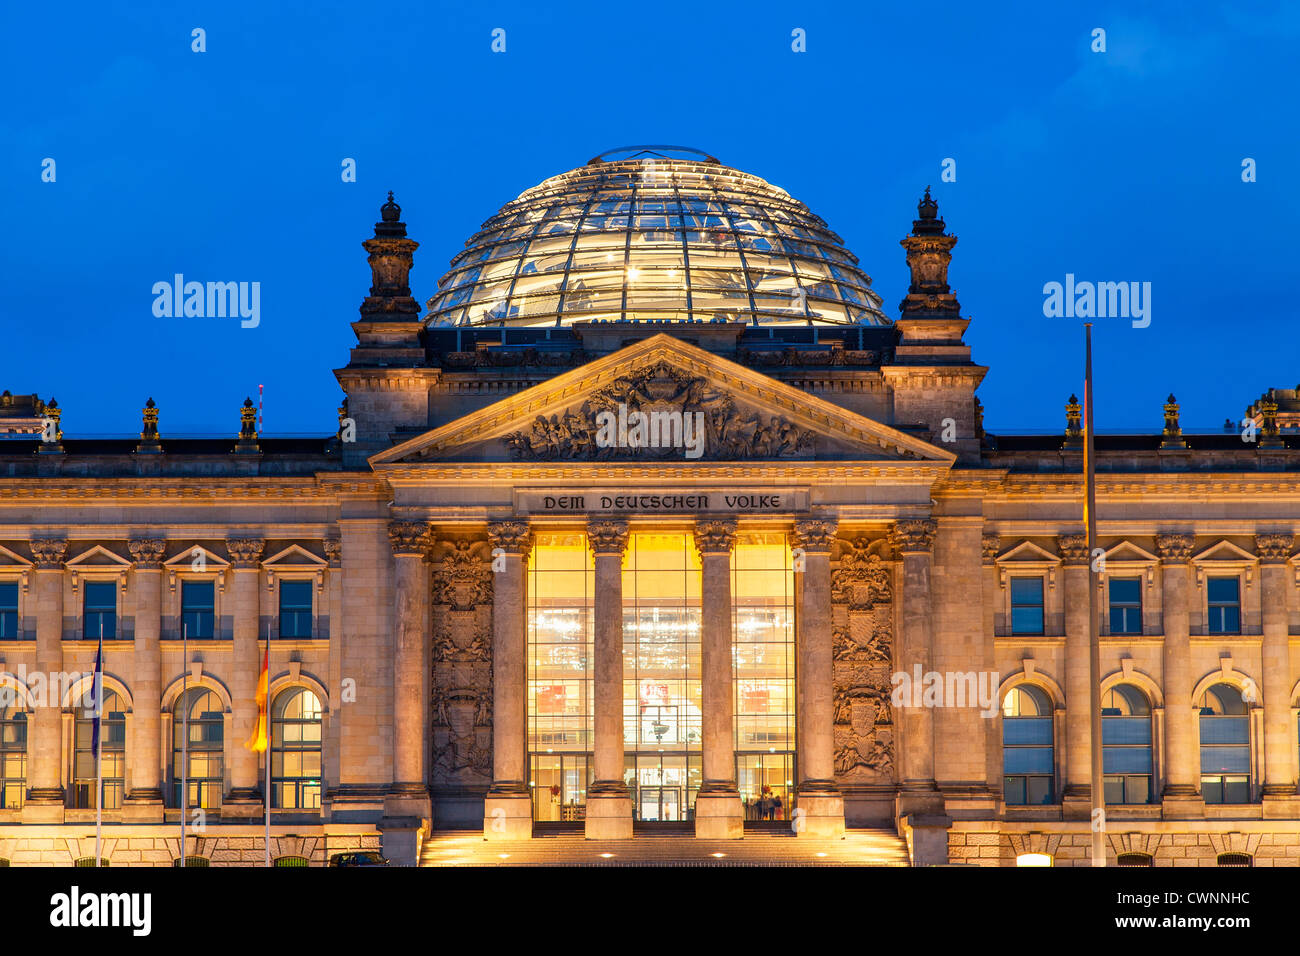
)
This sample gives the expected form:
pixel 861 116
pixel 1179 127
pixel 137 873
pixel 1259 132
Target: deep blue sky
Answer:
pixel 225 166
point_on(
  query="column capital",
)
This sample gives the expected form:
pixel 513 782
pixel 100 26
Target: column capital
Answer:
pixel 989 545
pixel 607 536
pixel 49 553
pixel 512 537
pixel 1274 548
pixel 815 534
pixel 715 536
pixel 147 553
pixel 410 537
pixel 1175 548
pixel 1073 548
pixel 245 553
pixel 334 551
pixel 913 535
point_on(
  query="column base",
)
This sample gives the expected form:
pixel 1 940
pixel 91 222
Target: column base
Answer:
pixel 144 806
pixel 609 812
pixel 927 838
pixel 719 816
pixel 1181 802
pixel 43 805
pixel 1076 803
pixel 408 800
pixel 919 796
pixel 243 803
pixel 508 813
pixel 1281 803
pixel 819 809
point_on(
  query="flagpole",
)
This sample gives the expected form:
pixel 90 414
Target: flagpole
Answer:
pixel 1094 640
pixel 97 688
pixel 185 733
pixel 266 786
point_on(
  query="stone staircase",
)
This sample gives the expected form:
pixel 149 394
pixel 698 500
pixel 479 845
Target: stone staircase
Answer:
pixel 760 847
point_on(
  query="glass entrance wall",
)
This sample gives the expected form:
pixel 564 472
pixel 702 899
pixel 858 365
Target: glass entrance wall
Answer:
pixel 762 588
pixel 662 696
pixel 561 610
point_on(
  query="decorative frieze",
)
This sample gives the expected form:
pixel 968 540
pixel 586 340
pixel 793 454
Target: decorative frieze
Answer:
pixel 1073 548
pixel 717 536
pixel 607 537
pixel 245 552
pixel 48 553
pixel 912 535
pixel 147 552
pixel 1274 548
pixel 1175 548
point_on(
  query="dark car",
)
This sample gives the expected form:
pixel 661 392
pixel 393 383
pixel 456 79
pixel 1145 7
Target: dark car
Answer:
pixel 357 859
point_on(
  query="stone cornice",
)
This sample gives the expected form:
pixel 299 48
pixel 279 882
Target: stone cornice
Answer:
pixel 750 472
pixel 389 379
pixel 194 487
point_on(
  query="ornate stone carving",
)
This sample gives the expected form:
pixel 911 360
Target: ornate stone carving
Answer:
pixel 816 535
pixel 1274 548
pixel 409 537
pixel 147 552
pixel 512 537
pixel 729 433
pixel 49 552
pixel 461 613
pixel 862 635
pixel 715 536
pixel 989 544
pixel 462 579
pixel 607 536
pixel 334 551
pixel 1175 548
pixel 912 535
pixel 245 552
pixel 1073 548
pixel 514 358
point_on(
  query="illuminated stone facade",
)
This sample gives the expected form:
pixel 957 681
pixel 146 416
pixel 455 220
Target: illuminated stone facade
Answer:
pixel 924 624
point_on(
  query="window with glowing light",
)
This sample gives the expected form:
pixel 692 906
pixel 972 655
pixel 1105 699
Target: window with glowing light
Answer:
pixel 199 761
pixel 1225 745
pixel 112 737
pixel 561 609
pixel 13 753
pixel 295 750
pixel 1028 764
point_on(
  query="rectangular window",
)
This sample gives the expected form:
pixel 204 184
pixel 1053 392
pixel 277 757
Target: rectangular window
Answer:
pixel 1125 605
pixel 8 610
pixel 1224 605
pixel 99 610
pixel 295 609
pixel 1026 605
pixel 197 609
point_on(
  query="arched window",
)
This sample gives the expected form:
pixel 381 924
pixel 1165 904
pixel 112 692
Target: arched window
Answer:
pixel 13 755
pixel 1028 765
pixel 295 750
pixel 290 861
pixel 1234 859
pixel 1126 744
pixel 199 711
pixel 112 739
pixel 1225 746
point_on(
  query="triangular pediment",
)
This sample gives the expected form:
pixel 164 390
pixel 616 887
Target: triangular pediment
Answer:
pixel 1224 550
pixel 295 556
pixel 1127 551
pixel 11 560
pixel 662 399
pixel 1026 552
pixel 196 558
pixel 98 557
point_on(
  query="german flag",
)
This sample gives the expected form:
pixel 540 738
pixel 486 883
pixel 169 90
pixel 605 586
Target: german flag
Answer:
pixel 257 742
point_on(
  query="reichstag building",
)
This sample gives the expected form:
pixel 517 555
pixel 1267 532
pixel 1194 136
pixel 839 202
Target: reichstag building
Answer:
pixel 653 529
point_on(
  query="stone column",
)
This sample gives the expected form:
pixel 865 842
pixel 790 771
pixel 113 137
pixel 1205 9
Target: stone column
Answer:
pixel 1182 762
pixel 989 546
pixel 609 805
pixel 719 813
pixel 45 794
pixel 330 730
pixel 245 798
pixel 1076 798
pixel 1279 747
pixel 144 799
pixel 918 795
pixel 508 807
pixel 820 805
pixel 407 801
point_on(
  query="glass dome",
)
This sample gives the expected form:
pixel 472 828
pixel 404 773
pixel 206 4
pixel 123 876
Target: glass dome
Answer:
pixel 654 234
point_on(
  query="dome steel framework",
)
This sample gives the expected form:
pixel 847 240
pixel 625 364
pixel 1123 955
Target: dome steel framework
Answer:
pixel 654 236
